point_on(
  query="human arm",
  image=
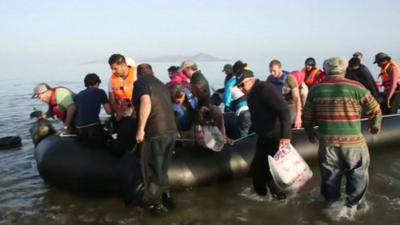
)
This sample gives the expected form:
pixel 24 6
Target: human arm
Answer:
pixel 373 111
pixel 308 120
pixel 295 91
pixel 70 113
pixel 394 77
pixel 144 112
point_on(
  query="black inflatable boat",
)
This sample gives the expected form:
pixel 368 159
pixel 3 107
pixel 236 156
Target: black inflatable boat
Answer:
pixel 64 162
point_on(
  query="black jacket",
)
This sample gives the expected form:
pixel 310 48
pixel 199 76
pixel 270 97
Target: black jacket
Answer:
pixel 270 114
pixel 363 76
pixel 201 82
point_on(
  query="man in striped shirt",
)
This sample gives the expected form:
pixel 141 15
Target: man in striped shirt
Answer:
pixel 335 107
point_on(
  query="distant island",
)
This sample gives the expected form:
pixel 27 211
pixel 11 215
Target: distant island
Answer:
pixel 200 57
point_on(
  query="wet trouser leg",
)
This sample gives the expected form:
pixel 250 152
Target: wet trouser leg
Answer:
pixel 338 161
pixel 155 158
pixel 244 120
pixel 260 168
pixel 357 178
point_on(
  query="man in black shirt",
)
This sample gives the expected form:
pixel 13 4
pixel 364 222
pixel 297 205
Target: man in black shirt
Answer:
pixel 358 72
pixel 270 117
pixel 157 134
pixel 189 68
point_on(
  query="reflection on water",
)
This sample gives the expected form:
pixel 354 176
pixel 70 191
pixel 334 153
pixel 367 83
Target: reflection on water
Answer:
pixel 26 199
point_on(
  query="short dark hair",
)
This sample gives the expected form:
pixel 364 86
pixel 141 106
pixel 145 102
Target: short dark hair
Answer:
pixel 91 79
pixel 238 67
pixel 275 62
pixel 355 61
pixel 173 69
pixel 177 92
pixel 310 61
pixel 145 69
pixel 116 59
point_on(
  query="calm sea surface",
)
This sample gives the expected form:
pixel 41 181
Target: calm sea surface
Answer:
pixel 26 199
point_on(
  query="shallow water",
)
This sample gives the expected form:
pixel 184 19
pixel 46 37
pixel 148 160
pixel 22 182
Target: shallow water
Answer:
pixel 26 199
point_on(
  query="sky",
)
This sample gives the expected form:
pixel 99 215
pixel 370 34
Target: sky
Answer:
pixel 38 34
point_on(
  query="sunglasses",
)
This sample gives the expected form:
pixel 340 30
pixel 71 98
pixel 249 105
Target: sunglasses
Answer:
pixel 241 85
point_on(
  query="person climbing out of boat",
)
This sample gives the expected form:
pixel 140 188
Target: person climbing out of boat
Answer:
pixel 236 102
pixel 156 134
pixel 303 88
pixel 314 75
pixel 60 101
pixel 289 88
pixel 358 72
pixel 121 85
pixel 88 104
pixel 190 69
pixel 271 121
pixel 335 105
pixel 390 76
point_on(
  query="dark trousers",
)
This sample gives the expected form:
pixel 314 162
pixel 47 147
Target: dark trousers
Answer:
pixel 94 135
pixel 394 102
pixel 260 168
pixel 156 153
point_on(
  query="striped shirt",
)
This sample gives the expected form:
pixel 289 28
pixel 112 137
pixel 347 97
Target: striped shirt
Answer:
pixel 335 106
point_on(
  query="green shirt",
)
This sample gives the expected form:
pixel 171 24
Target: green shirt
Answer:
pixel 335 105
pixel 64 98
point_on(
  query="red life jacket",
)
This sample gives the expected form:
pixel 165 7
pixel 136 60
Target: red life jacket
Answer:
pixel 53 105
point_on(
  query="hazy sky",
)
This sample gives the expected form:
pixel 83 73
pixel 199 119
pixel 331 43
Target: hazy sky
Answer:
pixel 77 31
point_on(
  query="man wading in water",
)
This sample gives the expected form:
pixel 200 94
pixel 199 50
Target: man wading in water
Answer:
pixel 335 106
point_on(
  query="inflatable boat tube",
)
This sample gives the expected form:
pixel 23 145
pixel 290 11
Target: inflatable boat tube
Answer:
pixel 10 142
pixel 64 162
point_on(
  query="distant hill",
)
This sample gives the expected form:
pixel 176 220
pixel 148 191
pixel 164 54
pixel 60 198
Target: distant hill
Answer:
pixel 200 57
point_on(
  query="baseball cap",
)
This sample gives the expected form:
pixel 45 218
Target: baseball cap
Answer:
pixel 244 75
pixel 227 67
pixel 381 56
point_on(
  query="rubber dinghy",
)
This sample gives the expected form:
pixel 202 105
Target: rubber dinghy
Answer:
pixel 64 162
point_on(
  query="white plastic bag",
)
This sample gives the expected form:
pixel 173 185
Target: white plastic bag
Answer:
pixel 288 168
pixel 209 137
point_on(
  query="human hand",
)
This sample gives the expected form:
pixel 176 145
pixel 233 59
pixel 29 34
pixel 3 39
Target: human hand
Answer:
pixel 229 141
pixel 374 130
pixel 139 136
pixel 284 142
pixel 297 122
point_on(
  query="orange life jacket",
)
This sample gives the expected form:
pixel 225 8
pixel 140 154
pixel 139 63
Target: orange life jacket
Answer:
pixel 123 88
pixel 311 77
pixel 386 79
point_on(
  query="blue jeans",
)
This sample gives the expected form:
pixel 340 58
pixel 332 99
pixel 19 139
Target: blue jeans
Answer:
pixel 244 121
pixel 353 162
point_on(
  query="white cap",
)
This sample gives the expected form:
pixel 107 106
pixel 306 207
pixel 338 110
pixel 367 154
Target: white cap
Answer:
pixel 129 61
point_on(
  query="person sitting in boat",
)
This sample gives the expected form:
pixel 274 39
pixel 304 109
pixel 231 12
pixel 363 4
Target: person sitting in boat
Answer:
pixel 121 85
pixel 60 101
pixel 88 104
pixel 303 88
pixel 287 85
pixel 313 74
pixel 184 104
pixel 176 77
pixel 190 69
pixel 358 72
pixel 235 100
pixel 390 75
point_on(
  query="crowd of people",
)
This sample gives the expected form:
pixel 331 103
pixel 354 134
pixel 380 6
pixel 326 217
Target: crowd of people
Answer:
pixel 334 98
